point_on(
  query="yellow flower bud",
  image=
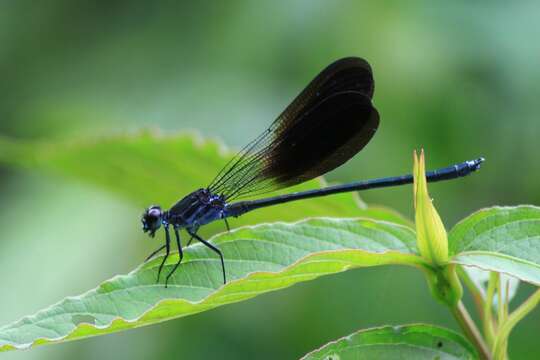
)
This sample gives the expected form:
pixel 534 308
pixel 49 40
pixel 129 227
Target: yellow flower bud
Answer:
pixel 432 239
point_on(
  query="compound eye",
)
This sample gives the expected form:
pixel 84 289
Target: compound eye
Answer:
pixel 154 212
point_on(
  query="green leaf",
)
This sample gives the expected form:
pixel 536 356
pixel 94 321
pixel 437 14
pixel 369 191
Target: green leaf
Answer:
pixel 501 239
pixel 148 168
pixel 258 259
pixel 418 341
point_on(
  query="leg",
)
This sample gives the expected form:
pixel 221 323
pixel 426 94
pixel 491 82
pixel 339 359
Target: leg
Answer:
pixel 194 230
pixel 155 252
pixel 212 247
pixel 180 255
pixel 227 224
pixel 167 250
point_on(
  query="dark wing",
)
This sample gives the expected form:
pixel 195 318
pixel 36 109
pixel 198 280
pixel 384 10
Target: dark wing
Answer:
pixel 327 124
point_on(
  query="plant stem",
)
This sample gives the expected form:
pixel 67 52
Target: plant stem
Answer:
pixel 477 295
pixel 488 321
pixel 500 301
pixel 469 327
pixel 499 348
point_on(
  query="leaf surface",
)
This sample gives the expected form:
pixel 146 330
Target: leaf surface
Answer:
pixel 417 341
pixel 258 259
pixel 147 168
pixel 501 239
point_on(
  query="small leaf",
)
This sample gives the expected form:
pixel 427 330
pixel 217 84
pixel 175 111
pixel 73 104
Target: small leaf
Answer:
pixel 501 239
pixel 258 259
pixel 417 341
pixel 431 234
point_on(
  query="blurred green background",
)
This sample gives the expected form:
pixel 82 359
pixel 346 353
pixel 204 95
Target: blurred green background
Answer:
pixel 460 79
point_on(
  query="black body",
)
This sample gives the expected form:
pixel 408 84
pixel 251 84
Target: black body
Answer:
pixel 326 125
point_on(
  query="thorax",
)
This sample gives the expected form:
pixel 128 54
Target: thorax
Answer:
pixel 198 208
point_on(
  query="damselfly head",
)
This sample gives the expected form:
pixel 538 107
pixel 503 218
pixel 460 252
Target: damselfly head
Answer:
pixel 152 219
